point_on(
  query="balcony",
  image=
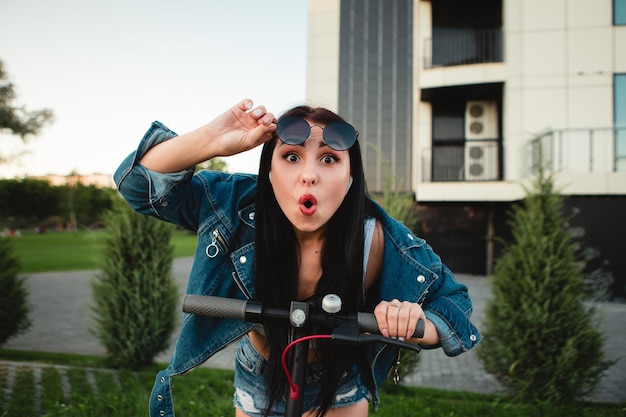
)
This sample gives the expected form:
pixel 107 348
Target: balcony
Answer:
pixel 589 161
pixel 473 160
pixel 590 150
pixel 452 47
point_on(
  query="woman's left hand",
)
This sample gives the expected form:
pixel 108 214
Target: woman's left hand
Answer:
pixel 398 318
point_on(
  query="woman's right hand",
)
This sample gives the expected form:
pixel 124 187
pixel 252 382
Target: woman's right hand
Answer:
pixel 240 128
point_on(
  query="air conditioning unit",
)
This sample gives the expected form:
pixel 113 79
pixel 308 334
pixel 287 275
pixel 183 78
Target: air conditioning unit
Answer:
pixel 481 120
pixel 481 160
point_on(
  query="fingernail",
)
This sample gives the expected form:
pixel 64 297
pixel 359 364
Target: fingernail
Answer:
pixel 401 339
pixel 257 113
pixel 409 334
pixel 384 332
pixel 267 119
pixel 249 105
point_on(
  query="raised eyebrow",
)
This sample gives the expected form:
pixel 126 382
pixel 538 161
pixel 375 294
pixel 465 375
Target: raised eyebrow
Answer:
pixel 321 145
pixel 281 144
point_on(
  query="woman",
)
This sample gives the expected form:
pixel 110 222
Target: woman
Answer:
pixel 302 229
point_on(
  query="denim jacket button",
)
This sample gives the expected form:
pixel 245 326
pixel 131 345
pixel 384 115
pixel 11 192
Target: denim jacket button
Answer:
pixel 421 279
pixel 164 204
pixel 243 260
pixel 251 216
pixel 473 338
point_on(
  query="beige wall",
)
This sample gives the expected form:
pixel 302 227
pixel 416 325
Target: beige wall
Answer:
pixel 322 83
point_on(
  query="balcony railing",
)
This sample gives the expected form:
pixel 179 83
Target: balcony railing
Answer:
pixel 468 161
pixel 463 47
pixel 590 150
pixel 584 150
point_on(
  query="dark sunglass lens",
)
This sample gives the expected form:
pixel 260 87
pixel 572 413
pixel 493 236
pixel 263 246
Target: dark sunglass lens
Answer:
pixel 339 136
pixel 293 130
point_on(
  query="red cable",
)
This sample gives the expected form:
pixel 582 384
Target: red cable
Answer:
pixel 294 390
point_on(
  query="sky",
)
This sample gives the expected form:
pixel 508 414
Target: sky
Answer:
pixel 107 69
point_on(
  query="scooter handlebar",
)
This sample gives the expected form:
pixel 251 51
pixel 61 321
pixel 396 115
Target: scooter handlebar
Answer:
pixel 367 323
pixel 232 308
pixel 220 307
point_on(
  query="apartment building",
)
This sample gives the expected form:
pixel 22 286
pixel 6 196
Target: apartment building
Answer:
pixel 454 100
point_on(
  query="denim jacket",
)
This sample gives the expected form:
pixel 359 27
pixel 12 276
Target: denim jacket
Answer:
pixel 220 208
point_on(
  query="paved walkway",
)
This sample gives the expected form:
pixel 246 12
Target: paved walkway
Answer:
pixel 62 317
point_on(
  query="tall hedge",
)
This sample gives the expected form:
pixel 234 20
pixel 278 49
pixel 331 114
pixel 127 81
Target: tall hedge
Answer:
pixel 13 294
pixel 401 206
pixel 134 293
pixel 540 339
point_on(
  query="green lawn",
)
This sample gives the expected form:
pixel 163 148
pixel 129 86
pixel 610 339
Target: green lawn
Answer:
pixel 62 251
pixel 97 391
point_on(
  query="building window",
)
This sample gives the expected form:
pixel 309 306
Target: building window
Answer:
pixel 619 12
pixel 376 86
pixel 448 143
pixel 464 33
pixel 620 121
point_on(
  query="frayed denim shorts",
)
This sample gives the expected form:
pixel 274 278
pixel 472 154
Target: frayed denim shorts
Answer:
pixel 250 394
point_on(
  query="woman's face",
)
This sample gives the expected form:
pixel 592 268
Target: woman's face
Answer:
pixel 310 180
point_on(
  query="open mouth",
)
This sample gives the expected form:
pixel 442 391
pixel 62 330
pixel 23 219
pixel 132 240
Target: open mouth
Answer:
pixel 308 203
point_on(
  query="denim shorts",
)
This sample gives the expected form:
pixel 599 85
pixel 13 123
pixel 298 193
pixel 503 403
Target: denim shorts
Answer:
pixel 250 394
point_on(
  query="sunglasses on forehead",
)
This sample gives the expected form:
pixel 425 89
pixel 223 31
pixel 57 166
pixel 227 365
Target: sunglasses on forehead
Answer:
pixel 294 130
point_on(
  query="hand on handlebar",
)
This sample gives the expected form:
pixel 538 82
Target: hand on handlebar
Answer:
pixel 353 328
pixel 398 319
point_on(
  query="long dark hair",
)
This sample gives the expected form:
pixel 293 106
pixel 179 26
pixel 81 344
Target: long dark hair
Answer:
pixel 277 263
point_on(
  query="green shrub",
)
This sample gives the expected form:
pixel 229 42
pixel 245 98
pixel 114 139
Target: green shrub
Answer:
pixel 13 294
pixel 134 292
pixel 402 207
pixel 540 339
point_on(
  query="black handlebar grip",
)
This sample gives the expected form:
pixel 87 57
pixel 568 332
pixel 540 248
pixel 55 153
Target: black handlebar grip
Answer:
pixel 206 305
pixel 368 323
pixel 420 328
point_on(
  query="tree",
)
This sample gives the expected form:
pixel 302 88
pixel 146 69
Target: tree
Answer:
pixel 32 202
pixel 16 120
pixel 540 340
pixel 134 293
pixel 401 206
pixel 13 295
pixel 86 203
pixel 214 164
pixel 28 200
